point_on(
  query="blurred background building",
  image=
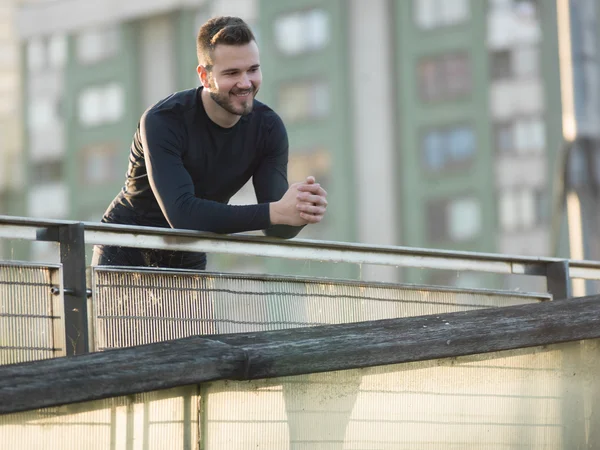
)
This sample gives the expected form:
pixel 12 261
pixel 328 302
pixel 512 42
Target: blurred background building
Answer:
pixel 11 129
pixel 432 123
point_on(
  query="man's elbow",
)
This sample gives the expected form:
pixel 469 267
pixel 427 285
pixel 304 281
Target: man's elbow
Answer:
pixel 282 231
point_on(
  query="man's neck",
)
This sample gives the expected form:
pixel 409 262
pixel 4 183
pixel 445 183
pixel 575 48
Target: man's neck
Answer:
pixel 217 114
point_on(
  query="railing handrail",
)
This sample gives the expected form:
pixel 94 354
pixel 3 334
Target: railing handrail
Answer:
pixel 13 227
pixel 268 354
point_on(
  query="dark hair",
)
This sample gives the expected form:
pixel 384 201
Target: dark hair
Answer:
pixel 221 30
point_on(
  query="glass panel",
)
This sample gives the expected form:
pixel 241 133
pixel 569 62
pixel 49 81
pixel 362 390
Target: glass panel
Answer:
pixel 304 100
pixel 317 29
pixel 518 399
pixel 425 13
pixel 114 102
pixel 461 144
pixel 457 74
pixel 151 421
pixel 464 221
pixel 90 106
pixel 526 61
pixel 504 137
pixel 429 81
pixel 509 213
pixel 97 44
pixel 289 34
pixel 433 145
pixel 528 207
pixel 453 11
pixel 57 51
pixel 36 54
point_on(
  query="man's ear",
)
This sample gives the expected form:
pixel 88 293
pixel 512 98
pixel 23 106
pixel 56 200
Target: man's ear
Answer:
pixel 203 75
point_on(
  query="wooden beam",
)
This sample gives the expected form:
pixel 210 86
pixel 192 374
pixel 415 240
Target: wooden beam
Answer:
pixel 294 351
pixel 72 379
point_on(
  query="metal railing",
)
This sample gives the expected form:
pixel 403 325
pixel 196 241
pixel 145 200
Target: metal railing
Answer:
pixel 73 236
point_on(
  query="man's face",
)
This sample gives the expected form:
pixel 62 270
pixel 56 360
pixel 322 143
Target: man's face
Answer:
pixel 235 77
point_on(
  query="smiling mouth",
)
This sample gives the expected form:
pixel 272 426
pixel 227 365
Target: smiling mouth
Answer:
pixel 243 94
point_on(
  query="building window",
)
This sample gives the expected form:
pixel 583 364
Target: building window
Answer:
pixel 43 114
pixel 519 62
pixel 97 44
pixel 526 61
pixel 50 201
pixel 448 148
pixel 440 13
pixel 523 136
pixel 457 220
pixel 305 100
pixel 302 32
pixel 46 172
pixel 45 53
pixel 520 209
pixel 101 164
pixel 526 9
pixel 501 65
pixel 101 104
pixel 316 162
pixel 444 77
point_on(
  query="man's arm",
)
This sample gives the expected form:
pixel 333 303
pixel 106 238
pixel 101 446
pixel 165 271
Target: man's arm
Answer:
pixel 307 200
pixel 163 139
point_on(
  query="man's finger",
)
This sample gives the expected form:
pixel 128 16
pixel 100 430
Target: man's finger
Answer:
pixel 313 189
pixel 311 209
pixel 314 199
pixel 310 218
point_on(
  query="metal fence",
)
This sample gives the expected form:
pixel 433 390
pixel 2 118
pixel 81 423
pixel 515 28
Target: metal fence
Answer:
pixel 136 307
pixel 31 313
pixel 72 238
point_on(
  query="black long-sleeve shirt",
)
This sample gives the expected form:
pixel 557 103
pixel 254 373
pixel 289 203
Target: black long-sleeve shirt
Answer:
pixel 183 169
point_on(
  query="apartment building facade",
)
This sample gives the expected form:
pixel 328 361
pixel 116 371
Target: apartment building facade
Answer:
pixel 431 123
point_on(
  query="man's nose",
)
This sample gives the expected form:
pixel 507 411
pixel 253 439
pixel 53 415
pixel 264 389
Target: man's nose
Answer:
pixel 244 82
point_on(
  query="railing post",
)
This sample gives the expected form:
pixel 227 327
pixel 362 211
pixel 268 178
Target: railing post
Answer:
pixel 72 257
pixel 558 280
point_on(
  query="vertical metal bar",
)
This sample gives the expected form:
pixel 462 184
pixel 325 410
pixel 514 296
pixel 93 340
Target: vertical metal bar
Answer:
pixel 113 426
pixel 146 427
pixel 202 416
pixel 72 257
pixel 558 281
pixel 559 285
pixel 130 423
pixel 187 420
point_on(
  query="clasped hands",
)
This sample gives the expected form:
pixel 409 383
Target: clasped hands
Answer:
pixel 303 203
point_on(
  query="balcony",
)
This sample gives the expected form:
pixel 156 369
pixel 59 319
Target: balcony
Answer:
pixel 179 359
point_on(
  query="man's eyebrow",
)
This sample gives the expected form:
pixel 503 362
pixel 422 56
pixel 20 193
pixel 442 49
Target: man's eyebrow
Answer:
pixel 235 69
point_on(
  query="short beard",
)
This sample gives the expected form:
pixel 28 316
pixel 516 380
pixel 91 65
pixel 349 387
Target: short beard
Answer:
pixel 223 100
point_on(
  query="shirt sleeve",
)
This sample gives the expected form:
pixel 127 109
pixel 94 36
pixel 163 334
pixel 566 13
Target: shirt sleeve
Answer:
pixel 164 142
pixel 270 178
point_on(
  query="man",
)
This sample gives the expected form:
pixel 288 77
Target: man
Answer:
pixel 195 149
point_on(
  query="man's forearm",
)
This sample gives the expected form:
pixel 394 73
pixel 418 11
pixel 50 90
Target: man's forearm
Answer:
pixel 283 231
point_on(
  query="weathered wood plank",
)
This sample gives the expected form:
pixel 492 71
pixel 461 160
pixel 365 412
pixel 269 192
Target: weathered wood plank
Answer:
pixel 112 373
pixel 376 343
pixel 294 351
